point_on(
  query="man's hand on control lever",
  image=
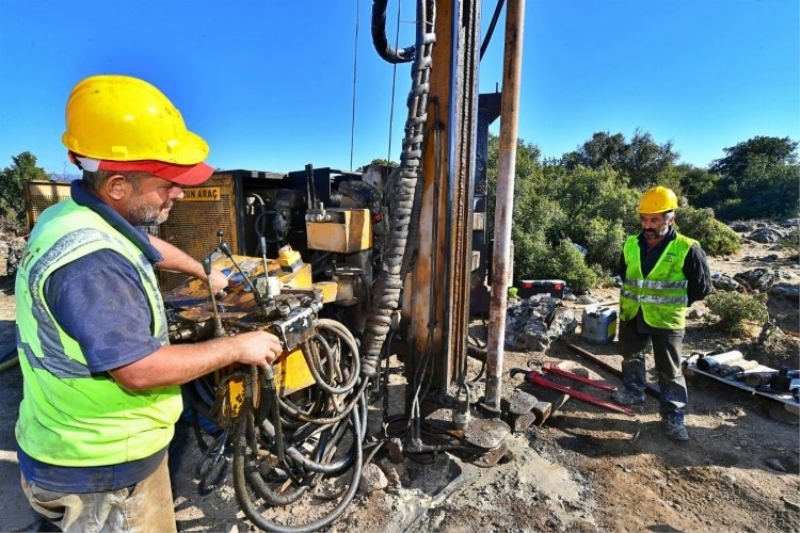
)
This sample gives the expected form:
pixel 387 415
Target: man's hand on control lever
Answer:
pixel 258 348
pixel 218 280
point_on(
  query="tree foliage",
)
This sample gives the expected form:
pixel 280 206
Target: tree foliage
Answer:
pixel 556 207
pixel 380 162
pixel 12 185
pixel 640 163
pixel 714 237
pixel 572 214
pixel 694 182
pixel 733 309
pixel 757 178
pixel 774 151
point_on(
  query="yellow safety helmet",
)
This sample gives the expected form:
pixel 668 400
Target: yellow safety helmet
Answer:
pixel 120 118
pixel 658 200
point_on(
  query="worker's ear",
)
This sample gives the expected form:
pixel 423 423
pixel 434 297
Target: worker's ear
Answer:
pixel 116 187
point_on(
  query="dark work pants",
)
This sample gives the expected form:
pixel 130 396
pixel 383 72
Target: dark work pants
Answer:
pixel 667 348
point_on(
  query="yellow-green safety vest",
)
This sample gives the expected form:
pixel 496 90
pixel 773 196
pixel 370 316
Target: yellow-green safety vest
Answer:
pixel 68 416
pixel 663 294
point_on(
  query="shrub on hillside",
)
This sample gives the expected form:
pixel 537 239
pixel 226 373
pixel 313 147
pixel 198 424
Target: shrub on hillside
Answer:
pixel 604 239
pixel 734 308
pixel 715 237
pixel 567 263
pixel 540 261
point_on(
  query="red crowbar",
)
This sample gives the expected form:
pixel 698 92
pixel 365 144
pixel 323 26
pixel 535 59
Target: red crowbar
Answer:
pixel 540 380
pixel 550 368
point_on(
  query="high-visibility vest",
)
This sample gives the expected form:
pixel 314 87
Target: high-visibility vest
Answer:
pixel 68 416
pixel 662 295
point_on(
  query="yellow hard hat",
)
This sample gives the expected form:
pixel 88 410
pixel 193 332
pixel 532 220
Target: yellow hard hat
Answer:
pixel 658 200
pixel 121 118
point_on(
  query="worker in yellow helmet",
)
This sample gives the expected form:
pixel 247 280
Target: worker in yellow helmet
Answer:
pixel 663 273
pixel 101 381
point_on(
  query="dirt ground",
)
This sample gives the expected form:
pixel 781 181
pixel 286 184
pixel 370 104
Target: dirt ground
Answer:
pixel 586 469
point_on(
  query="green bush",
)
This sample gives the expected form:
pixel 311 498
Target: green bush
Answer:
pixel 734 308
pixel 715 237
pixel 567 263
pixel 604 239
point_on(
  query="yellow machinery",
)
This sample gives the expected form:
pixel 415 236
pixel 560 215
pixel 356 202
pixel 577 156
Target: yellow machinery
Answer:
pixel 346 269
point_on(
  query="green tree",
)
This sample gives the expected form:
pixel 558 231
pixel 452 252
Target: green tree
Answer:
pixel 602 149
pixel 694 181
pixel 12 185
pixel 774 151
pixel 381 162
pixel 715 237
pixel 640 163
pixel 756 179
pixel 648 163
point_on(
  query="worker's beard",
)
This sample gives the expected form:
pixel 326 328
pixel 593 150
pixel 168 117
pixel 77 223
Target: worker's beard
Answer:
pixel 140 213
pixel 651 234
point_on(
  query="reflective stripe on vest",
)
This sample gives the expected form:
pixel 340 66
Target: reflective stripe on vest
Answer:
pixel 68 416
pixel 663 295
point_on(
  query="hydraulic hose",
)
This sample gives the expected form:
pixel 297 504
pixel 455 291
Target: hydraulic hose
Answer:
pixel 250 509
pixel 279 458
pixel 386 292
pixel 379 40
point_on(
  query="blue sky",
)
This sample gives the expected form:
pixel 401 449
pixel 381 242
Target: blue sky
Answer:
pixel 269 84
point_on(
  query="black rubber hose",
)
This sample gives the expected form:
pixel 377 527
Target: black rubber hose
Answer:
pixel 243 469
pixel 379 40
pixel 486 40
pixel 386 292
pixel 293 411
pixel 251 510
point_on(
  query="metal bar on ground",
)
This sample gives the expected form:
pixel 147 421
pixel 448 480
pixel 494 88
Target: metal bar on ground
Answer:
pixel 550 368
pixel 650 389
pixel 540 380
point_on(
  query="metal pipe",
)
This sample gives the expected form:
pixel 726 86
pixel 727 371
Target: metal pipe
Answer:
pixel 506 163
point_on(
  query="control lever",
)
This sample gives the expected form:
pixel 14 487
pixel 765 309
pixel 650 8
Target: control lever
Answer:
pixel 223 247
pixel 219 331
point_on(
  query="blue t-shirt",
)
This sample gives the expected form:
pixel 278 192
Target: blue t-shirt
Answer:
pixel 100 302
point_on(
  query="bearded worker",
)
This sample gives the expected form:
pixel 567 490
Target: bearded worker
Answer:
pixel 663 273
pixel 100 379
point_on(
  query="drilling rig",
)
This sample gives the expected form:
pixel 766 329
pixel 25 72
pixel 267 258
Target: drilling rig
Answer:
pixel 349 269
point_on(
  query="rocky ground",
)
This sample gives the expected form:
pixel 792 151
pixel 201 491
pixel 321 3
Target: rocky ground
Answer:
pixel 585 469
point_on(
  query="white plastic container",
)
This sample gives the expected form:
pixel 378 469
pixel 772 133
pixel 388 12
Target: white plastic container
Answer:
pixel 599 324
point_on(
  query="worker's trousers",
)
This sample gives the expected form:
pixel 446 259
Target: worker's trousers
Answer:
pixel 142 508
pixel 667 355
